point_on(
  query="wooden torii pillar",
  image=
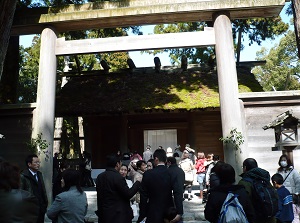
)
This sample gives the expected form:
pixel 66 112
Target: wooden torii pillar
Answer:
pixel 44 115
pixel 231 114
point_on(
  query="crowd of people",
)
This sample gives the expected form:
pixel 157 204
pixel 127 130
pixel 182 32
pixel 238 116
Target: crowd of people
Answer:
pixel 261 202
pixel 173 173
pixel 152 187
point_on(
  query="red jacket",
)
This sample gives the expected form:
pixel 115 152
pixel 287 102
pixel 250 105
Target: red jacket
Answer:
pixel 200 165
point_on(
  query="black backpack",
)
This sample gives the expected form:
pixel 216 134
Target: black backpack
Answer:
pixel 264 197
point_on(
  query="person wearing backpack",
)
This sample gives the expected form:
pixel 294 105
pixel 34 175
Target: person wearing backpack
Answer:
pixel 262 194
pixel 227 202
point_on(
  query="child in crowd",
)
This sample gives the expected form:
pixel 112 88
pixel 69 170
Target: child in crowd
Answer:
pixel 209 160
pixel 285 200
pixel 296 208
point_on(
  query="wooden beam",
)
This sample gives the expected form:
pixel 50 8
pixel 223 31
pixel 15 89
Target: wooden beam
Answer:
pixel 271 103
pixel 137 12
pixel 135 43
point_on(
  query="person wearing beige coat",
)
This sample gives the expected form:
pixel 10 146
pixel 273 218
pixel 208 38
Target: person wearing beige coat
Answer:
pixel 186 164
pixel 141 168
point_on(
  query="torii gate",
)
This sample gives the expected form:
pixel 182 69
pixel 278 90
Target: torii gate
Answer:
pixel 141 12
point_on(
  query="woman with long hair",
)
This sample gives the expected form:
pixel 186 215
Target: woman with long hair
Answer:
pixel 71 205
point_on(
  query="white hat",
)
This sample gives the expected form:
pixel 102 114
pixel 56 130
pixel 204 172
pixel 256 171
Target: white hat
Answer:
pixel 169 152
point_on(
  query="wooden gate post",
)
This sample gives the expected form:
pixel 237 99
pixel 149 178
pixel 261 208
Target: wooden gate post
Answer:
pixel 231 115
pixel 44 115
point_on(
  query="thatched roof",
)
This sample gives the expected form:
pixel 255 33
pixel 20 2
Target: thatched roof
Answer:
pixel 145 90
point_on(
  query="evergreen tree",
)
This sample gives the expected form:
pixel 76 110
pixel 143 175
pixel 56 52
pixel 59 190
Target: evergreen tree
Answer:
pixel 282 69
pixel 30 56
pixel 257 30
pixel 29 69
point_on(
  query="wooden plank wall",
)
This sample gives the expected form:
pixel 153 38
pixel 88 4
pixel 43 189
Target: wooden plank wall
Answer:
pixel 201 130
pixel 102 136
pixel 207 131
pixel 16 126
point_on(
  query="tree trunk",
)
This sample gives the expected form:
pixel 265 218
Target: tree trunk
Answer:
pixel 7 11
pixel 238 48
pixel 296 12
pixel 10 74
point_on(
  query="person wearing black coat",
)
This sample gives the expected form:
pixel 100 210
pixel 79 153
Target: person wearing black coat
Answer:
pixel 113 194
pixel 219 193
pixel 177 179
pixel 156 191
pixel 32 181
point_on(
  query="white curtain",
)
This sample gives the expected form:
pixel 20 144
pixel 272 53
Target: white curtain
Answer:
pixel 164 137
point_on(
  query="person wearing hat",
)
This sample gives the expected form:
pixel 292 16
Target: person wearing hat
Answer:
pixel 169 152
pixel 126 159
pixel 191 153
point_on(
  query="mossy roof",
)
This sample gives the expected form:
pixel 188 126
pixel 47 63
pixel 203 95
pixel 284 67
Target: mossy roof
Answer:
pixel 145 90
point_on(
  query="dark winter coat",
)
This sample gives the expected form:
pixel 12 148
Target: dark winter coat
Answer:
pixel 255 173
pixel 156 194
pixel 113 197
pixel 18 206
pixel 260 174
pixel 37 188
pixel 177 179
pixel 217 197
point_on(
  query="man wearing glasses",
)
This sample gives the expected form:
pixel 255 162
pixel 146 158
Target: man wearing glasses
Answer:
pixel 32 181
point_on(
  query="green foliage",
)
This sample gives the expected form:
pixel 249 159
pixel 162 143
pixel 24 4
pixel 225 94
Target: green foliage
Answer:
pixel 38 144
pixel 28 74
pixel 282 69
pixel 256 30
pixel 195 55
pixel 55 3
pixel 70 137
pixel 43 3
pixel 29 4
pixel 235 138
pixel 29 61
pixel 91 62
pixel 289 10
pixel 259 29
